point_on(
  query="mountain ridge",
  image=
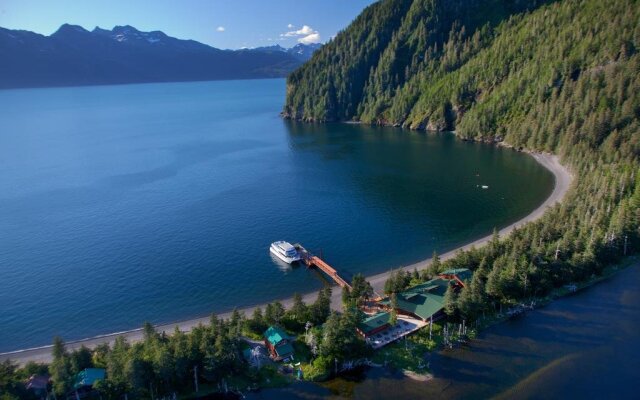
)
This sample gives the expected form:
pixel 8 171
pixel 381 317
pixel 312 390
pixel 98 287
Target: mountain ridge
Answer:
pixel 75 56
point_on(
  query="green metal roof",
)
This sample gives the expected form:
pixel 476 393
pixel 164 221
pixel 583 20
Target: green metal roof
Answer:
pixel 374 321
pixel 284 349
pixel 436 286
pixel 88 377
pixel 423 300
pixel 410 295
pixel 424 305
pixel 275 335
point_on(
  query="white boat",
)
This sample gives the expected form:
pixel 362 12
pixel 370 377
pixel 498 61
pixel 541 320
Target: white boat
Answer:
pixel 284 251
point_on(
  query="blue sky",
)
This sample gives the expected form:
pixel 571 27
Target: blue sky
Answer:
pixel 224 24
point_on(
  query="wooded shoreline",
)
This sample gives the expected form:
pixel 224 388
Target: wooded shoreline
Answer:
pixel 563 181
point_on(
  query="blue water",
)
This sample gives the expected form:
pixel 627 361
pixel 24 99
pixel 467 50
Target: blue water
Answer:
pixel 158 202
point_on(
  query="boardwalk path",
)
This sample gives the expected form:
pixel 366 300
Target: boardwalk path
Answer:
pixel 563 180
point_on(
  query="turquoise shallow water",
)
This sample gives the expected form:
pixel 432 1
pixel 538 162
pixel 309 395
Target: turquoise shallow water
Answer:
pixel 120 204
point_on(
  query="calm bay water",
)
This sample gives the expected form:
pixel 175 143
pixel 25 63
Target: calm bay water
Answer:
pixel 158 202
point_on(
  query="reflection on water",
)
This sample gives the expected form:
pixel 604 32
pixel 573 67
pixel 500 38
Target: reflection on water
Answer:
pixel 583 346
pixel 281 265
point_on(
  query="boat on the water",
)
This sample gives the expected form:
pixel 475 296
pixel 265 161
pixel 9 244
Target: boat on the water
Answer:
pixel 285 251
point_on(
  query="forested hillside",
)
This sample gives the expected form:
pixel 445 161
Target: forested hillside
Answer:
pixel 557 76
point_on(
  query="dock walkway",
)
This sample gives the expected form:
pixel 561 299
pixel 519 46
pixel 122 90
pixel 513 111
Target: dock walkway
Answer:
pixel 314 261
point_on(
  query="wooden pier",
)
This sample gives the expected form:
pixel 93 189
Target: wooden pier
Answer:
pixel 314 261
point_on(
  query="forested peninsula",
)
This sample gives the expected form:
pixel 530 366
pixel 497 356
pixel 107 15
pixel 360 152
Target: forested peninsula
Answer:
pixel 551 76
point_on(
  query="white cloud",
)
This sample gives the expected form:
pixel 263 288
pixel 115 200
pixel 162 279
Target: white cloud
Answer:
pixel 305 35
pixel 312 38
pixel 290 26
pixel 304 31
pixel 220 29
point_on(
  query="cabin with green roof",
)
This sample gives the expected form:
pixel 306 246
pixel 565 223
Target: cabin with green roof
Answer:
pixel 373 324
pixel 426 300
pixel 279 344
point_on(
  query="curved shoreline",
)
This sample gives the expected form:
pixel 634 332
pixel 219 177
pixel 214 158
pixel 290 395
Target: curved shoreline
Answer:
pixel 563 180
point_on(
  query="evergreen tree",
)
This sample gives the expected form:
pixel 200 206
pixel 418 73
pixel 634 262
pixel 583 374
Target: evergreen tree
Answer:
pixel 80 359
pixel 237 320
pixel 299 309
pixel 278 312
pixel 436 265
pixel 270 314
pixel 60 367
pixel 450 298
pixel 321 309
pixel 257 323
pixel 149 332
pixel 346 297
pixel 393 313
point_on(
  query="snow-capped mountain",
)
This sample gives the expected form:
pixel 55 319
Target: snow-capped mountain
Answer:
pixel 301 51
pixel 304 51
pixel 75 56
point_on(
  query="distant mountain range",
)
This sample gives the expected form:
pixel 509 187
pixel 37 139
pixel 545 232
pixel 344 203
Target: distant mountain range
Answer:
pixel 302 52
pixel 75 56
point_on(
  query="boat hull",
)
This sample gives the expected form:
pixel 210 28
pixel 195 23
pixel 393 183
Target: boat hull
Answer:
pixel 288 260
